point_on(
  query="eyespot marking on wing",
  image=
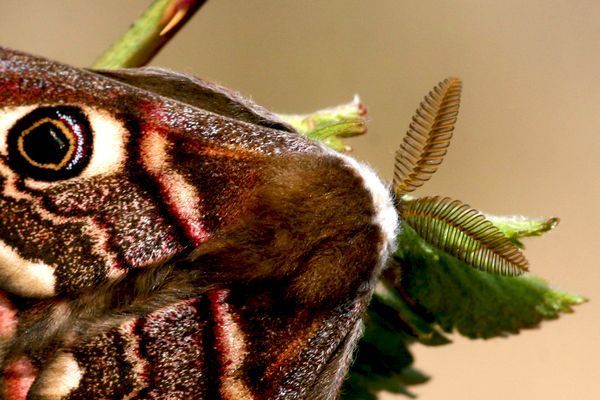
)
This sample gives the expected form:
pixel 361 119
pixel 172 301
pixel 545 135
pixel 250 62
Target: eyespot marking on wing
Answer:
pixel 61 129
pixel 110 139
pixel 50 143
pixel 8 117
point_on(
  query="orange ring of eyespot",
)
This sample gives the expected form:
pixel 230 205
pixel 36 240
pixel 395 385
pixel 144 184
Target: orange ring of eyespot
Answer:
pixel 65 131
pixel 72 123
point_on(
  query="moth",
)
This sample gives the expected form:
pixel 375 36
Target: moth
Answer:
pixel 162 237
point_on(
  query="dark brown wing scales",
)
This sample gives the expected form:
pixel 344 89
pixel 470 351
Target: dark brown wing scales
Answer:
pixel 157 356
pixel 100 227
pixel 288 346
pixel 168 348
pixel 82 265
pixel 139 233
pixel 198 93
pixel 242 346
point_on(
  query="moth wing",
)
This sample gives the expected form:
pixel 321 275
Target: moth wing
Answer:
pixel 209 347
pixel 289 351
pixel 198 93
pixel 158 355
pixel 249 341
pixel 164 172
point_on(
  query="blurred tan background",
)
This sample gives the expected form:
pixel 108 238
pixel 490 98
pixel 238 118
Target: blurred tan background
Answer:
pixel 527 141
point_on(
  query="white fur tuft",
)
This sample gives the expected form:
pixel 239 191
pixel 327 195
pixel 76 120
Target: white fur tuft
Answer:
pixel 386 215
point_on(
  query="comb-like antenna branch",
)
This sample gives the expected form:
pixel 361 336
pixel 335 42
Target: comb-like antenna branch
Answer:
pixel 465 233
pixel 428 137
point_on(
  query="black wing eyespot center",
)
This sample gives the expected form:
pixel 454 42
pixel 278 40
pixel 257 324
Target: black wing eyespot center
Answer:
pixel 47 144
pixel 50 143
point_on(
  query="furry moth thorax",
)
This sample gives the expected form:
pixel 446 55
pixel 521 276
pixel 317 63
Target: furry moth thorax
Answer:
pixel 105 174
pixel 164 237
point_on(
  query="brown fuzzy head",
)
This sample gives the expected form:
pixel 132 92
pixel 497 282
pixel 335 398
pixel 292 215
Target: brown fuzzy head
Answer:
pixel 311 227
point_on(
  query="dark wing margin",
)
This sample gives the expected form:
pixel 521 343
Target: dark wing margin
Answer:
pixel 198 93
pixel 221 345
pixel 330 380
pixel 298 353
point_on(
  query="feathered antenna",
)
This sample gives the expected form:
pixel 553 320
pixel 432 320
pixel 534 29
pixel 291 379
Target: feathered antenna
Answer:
pixel 428 137
pixel 465 233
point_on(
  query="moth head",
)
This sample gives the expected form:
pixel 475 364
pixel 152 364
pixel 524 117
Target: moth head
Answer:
pixel 319 226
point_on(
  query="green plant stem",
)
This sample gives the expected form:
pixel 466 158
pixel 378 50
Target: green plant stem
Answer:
pixel 148 34
pixel 163 19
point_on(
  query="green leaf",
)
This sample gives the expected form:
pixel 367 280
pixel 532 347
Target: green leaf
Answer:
pixel 383 361
pixel 475 303
pixel 331 124
pixel 516 227
pixel 389 306
pixel 367 386
pixel 428 289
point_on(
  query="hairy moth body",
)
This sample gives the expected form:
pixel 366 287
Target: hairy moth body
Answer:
pixel 198 247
